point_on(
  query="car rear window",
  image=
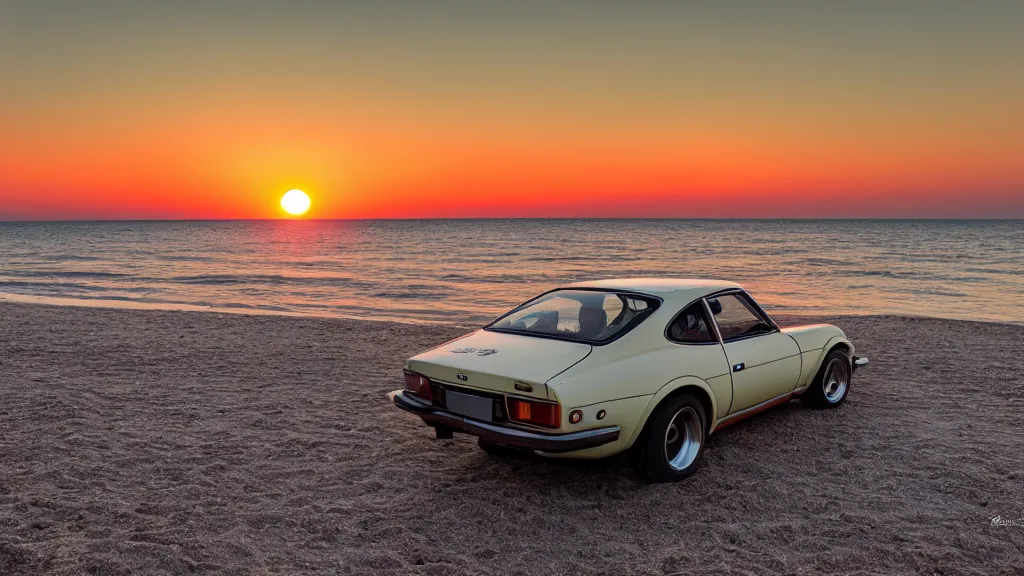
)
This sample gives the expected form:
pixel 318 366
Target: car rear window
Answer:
pixel 578 315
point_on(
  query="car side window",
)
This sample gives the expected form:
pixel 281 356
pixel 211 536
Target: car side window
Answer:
pixel 692 326
pixel 735 319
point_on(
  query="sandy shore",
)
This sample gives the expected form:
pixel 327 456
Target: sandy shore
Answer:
pixel 148 442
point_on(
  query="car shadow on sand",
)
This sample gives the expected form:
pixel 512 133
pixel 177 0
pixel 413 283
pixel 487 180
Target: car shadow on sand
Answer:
pixel 777 425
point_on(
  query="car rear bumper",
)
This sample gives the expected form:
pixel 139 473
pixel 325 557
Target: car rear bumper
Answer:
pixel 505 436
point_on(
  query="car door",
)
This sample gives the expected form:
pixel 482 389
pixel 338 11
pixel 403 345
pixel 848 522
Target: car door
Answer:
pixel 700 353
pixel 765 363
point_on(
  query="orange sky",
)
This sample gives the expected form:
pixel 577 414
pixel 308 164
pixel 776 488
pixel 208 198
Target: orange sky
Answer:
pixel 736 111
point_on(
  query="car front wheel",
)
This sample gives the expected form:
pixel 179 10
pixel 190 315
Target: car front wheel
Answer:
pixel 832 384
pixel 671 447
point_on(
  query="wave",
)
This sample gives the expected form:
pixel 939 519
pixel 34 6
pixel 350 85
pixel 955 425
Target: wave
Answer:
pixel 99 275
pixel 273 279
pixel 57 288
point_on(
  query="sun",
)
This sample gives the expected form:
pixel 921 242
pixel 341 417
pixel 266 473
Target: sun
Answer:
pixel 295 202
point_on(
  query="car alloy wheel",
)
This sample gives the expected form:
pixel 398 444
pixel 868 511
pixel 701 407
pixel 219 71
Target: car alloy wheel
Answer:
pixel 683 438
pixel 836 380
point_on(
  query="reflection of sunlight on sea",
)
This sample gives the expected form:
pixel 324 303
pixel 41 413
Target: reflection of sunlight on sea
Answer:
pixel 469 271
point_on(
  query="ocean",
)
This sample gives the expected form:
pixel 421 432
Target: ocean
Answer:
pixel 469 271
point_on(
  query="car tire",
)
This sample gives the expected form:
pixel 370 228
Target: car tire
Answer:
pixel 672 442
pixel 832 383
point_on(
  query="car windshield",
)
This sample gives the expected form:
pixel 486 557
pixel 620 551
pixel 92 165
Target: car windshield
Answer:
pixel 579 315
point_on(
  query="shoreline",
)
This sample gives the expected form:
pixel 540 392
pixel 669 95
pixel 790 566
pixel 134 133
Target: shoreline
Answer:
pixel 108 304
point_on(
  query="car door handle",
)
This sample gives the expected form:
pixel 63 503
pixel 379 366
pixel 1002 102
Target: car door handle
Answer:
pixel 738 367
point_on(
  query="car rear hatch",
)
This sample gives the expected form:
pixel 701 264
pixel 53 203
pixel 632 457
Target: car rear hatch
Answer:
pixel 499 363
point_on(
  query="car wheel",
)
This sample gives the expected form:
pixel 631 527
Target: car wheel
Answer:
pixel 671 447
pixel 832 384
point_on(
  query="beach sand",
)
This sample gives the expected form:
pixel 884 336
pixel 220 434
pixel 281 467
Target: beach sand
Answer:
pixel 150 442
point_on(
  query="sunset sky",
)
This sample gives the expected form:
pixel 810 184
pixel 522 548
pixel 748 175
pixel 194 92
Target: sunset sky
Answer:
pixel 149 109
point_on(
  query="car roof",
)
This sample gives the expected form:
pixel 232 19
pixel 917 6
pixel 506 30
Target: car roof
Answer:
pixel 674 288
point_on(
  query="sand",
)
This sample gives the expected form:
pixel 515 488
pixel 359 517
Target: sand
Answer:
pixel 149 442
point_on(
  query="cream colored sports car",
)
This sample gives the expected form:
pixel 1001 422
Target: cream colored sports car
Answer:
pixel 648 366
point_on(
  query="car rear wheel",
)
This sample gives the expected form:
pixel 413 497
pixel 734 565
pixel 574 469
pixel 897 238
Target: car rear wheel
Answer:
pixel 832 384
pixel 671 447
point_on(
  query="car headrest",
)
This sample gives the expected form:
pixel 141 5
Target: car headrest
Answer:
pixel 691 321
pixel 715 305
pixel 592 321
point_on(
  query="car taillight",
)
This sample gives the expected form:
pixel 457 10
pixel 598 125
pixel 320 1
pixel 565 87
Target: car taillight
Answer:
pixel 418 385
pixel 539 413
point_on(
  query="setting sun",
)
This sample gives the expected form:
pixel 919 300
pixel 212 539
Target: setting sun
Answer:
pixel 295 202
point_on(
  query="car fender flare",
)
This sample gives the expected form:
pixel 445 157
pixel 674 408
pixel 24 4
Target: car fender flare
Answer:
pixel 669 388
pixel 832 343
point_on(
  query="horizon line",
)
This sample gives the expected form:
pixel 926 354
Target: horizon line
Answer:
pixel 491 218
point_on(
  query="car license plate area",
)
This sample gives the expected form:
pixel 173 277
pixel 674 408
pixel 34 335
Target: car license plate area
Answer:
pixel 470 406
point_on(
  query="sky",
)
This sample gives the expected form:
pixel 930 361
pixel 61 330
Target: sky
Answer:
pixel 213 109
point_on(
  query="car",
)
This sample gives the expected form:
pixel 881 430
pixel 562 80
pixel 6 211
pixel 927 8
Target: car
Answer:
pixel 649 367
